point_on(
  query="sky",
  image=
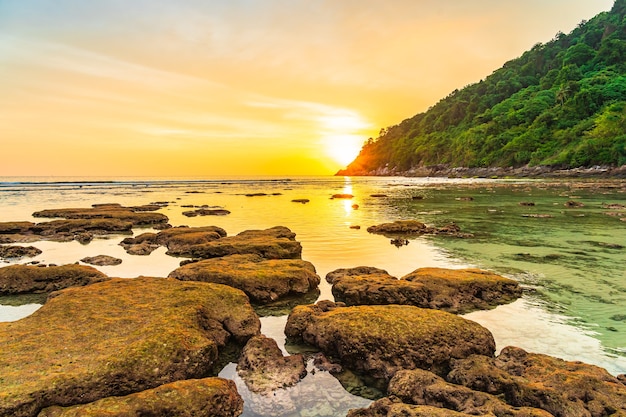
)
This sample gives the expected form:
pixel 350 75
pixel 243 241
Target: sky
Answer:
pixel 240 87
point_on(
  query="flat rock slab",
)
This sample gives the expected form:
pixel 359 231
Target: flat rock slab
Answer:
pixel 81 230
pixel 264 369
pixel 175 239
pixel 116 338
pixel 410 228
pixel 209 397
pixel 453 290
pixel 381 340
pixel 102 260
pixel 263 280
pixel 16 252
pixel 275 243
pixel 138 216
pixel 30 279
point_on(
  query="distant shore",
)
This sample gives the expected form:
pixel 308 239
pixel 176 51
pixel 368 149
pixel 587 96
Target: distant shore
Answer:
pixel 494 172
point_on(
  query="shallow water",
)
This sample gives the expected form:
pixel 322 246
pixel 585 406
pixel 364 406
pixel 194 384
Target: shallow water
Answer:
pixel 571 262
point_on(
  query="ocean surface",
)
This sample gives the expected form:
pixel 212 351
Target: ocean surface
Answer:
pixel 570 258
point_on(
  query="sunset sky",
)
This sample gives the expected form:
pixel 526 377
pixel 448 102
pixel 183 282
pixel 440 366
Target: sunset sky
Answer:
pixel 217 87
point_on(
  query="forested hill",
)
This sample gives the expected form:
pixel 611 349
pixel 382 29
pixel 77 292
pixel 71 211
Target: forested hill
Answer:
pixel 561 104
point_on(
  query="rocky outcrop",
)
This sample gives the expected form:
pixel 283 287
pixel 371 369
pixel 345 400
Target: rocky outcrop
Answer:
pixel 175 238
pixel 378 341
pixel 453 290
pixel 206 212
pixel 16 252
pixel 209 397
pixel 412 228
pixel 102 260
pixel 138 216
pixel 275 243
pixel 516 383
pixel 116 338
pixel 30 279
pixel 82 230
pixel 263 367
pixel 263 280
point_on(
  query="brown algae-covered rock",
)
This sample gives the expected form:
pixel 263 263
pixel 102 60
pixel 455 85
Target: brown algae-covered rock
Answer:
pixel 175 238
pixel 263 367
pixel 263 280
pixel 82 230
pixel 387 407
pixel 452 290
pixel 116 338
pixel 209 397
pixel 541 381
pixel 14 252
pixel 408 228
pixel 380 340
pixel 102 260
pixel 275 243
pixel 138 216
pixel 30 279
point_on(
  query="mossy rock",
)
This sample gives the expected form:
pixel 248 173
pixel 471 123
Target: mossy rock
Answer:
pixel 115 338
pixel 82 230
pixel 209 397
pixel 263 280
pixel 453 290
pixel 31 279
pixel 16 252
pixel 275 243
pixel 138 216
pixel 378 341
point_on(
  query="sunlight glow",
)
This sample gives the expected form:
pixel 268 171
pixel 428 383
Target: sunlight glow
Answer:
pixel 343 135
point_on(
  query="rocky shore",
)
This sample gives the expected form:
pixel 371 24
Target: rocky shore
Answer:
pixel 153 346
pixel 493 172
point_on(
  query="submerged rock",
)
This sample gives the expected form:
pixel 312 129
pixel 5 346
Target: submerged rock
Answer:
pixel 101 260
pixel 209 397
pixel 13 252
pixel 30 279
pixel 115 338
pixel 275 243
pixel 206 212
pixel 381 340
pixel 453 290
pixel 263 367
pixel 261 279
pixel 82 230
pixel 138 216
pixel 173 238
pixel 408 228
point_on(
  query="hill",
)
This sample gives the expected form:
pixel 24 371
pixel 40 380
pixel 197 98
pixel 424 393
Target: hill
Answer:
pixel 561 104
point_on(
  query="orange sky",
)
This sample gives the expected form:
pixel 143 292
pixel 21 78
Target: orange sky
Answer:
pixel 240 87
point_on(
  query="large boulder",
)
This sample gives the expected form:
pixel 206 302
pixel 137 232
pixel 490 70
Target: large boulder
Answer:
pixel 209 397
pixel 378 341
pixel 275 243
pixel 115 338
pixel 263 367
pixel 452 290
pixel 263 280
pixel 30 279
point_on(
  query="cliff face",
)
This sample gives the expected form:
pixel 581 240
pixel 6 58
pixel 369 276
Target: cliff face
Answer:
pixel 561 104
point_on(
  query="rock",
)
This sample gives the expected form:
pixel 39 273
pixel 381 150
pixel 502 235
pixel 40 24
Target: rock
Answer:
pixel 342 196
pixel 527 204
pixel 452 290
pixel 116 338
pixel 355 227
pixel 263 367
pixel 261 279
pixel 464 198
pixel 138 216
pixel 256 195
pixel 378 195
pixel 13 252
pixel 574 204
pixel 29 279
pixel 421 387
pixel 532 380
pixel 275 243
pixel 388 407
pixel 538 216
pixel 407 228
pixel 381 340
pixel 81 230
pixel 102 260
pixel 209 397
pixel 301 200
pixel 173 238
pixel 206 212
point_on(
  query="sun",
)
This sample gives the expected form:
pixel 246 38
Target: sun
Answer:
pixel 343 149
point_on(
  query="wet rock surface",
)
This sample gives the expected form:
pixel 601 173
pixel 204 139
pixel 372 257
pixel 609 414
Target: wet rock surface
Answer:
pixel 263 280
pixel 115 338
pixel 31 279
pixel 380 340
pixel 102 260
pixel 138 216
pixel 175 239
pixel 453 290
pixel 82 230
pixel 16 252
pixel 411 228
pixel 209 397
pixel 263 367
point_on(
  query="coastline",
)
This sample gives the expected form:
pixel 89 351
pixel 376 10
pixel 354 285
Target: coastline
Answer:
pixel 446 171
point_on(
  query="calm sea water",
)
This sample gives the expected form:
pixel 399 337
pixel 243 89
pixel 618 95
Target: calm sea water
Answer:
pixel 571 260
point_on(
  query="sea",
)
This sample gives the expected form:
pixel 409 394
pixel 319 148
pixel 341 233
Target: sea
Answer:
pixel 563 240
